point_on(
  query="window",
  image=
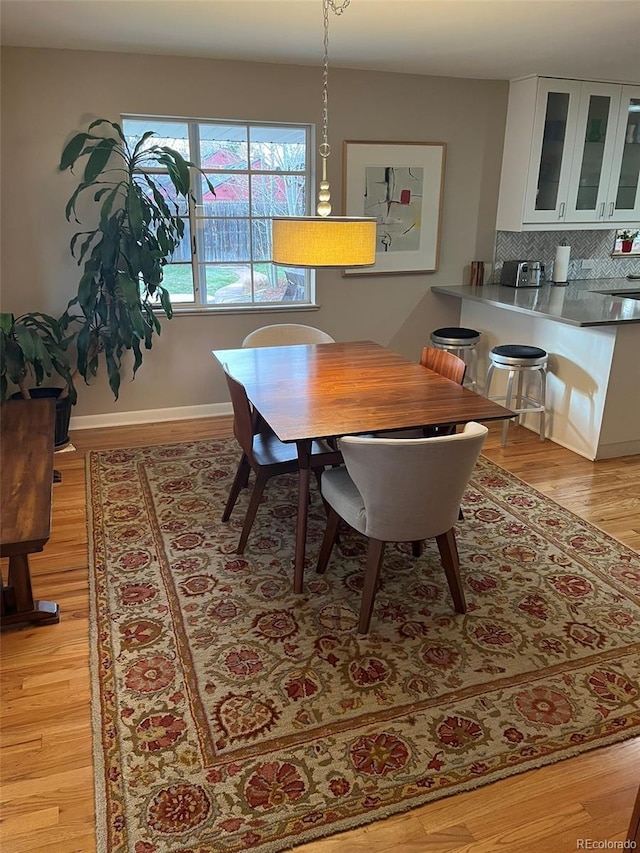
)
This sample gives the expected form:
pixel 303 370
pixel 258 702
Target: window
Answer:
pixel 258 171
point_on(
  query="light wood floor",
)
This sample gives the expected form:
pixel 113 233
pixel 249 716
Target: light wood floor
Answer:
pixel 46 798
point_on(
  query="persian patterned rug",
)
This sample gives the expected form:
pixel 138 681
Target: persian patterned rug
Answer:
pixel 231 714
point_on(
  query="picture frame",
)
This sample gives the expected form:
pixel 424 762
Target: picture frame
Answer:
pixel 401 185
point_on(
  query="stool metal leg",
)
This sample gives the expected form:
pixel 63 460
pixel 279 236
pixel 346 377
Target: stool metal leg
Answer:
pixel 543 400
pixel 519 397
pixel 474 369
pixel 507 403
pixel 487 381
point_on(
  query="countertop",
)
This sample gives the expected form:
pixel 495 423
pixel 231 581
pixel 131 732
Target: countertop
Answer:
pixel 579 303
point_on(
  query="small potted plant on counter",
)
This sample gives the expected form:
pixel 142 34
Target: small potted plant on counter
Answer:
pixel 626 238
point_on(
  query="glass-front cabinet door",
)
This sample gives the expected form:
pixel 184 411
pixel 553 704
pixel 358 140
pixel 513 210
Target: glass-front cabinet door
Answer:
pixel 556 116
pixel 623 203
pixel 593 152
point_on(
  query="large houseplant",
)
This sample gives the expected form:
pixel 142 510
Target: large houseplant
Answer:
pixel 137 228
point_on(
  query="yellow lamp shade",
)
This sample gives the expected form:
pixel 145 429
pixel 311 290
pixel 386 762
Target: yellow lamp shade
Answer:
pixel 324 241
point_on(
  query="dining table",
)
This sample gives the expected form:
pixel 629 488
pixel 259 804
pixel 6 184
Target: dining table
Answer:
pixel 314 391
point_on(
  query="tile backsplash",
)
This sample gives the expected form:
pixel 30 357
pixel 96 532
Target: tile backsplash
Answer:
pixel 594 246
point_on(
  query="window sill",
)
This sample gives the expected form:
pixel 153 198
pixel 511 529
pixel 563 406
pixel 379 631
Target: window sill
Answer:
pixel 187 311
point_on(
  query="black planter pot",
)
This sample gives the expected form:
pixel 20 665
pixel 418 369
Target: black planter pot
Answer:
pixel 63 411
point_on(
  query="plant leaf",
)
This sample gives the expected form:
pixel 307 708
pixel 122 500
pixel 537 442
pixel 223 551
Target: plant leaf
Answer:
pixel 98 159
pixel 25 339
pixel 114 373
pixel 73 149
pixel 134 211
pixel 6 322
pixel 140 154
pixel 182 169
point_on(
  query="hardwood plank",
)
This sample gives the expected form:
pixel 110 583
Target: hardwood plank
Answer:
pixel 46 755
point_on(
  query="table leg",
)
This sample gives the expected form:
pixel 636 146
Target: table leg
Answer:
pixel 19 606
pixel 304 475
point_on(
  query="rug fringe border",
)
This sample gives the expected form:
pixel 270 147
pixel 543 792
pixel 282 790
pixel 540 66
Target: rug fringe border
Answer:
pixel 560 506
pixel 350 824
pixel 96 691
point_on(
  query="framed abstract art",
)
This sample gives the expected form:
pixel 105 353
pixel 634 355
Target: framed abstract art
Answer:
pixel 400 184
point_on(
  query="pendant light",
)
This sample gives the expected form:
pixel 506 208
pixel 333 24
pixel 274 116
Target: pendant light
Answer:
pixel 324 240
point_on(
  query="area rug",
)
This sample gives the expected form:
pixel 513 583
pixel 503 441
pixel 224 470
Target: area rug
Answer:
pixel 231 714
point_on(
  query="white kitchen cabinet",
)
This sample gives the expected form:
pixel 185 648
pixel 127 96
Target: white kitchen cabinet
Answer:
pixel 571 156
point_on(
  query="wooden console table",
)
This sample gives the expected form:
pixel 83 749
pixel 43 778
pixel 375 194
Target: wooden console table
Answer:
pixel 26 481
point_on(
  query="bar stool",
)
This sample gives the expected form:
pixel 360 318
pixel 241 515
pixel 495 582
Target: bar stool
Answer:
pixel 463 343
pixel 519 359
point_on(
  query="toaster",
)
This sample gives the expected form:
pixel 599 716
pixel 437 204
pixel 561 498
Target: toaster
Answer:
pixel 522 274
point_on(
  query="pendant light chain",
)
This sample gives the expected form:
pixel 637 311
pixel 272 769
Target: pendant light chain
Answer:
pixel 324 194
pixel 315 242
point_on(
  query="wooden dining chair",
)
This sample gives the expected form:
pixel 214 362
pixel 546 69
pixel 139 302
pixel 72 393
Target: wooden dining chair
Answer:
pixel 265 455
pixel 403 490
pixel 285 334
pixel 445 363
pixel 450 366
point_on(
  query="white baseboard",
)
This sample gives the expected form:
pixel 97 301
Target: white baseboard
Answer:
pixel 149 416
pixel 621 448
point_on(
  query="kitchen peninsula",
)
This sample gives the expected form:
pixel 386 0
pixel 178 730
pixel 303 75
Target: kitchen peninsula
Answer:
pixel 592 335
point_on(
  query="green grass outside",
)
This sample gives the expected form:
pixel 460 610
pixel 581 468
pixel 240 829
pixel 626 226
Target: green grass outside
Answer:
pixel 178 278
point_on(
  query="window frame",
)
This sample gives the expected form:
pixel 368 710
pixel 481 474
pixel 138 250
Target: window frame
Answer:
pixel 195 221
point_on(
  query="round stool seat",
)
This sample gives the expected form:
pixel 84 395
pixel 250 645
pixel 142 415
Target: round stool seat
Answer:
pixel 455 336
pixel 514 354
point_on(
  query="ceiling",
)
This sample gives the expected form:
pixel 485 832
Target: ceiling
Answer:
pixel 486 39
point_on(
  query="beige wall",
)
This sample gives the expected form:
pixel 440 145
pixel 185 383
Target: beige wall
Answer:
pixel 47 95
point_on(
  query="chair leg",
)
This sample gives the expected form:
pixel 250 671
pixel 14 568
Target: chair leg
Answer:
pixel 371 576
pixel 239 481
pixel 451 563
pixel 254 503
pixel 416 548
pixel 328 540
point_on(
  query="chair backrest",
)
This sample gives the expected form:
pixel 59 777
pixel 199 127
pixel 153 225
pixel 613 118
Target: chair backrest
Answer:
pixel 412 488
pixel 242 415
pixel 447 364
pixel 283 334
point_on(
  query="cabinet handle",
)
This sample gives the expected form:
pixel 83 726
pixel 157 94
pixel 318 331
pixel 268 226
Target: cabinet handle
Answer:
pixel 611 208
pixel 601 214
pixel 561 210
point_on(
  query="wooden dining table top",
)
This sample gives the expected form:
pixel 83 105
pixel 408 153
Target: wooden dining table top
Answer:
pixel 312 390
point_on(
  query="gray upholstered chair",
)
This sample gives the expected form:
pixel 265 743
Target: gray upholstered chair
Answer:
pixel 265 455
pixel 402 490
pixel 283 334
